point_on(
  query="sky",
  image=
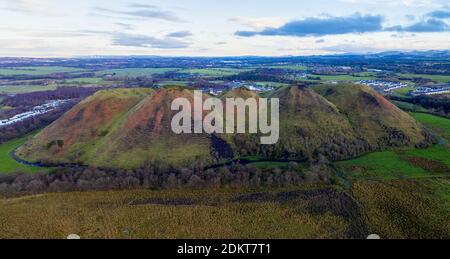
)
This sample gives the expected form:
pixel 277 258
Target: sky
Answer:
pixel 63 28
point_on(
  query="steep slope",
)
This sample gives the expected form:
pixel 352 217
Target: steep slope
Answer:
pixel 309 125
pixel 120 128
pixel 374 118
pixel 145 135
pixel 71 138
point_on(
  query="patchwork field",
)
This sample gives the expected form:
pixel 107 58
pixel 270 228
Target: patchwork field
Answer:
pixel 214 72
pixel 135 72
pixel 31 86
pixel 437 78
pixel 270 84
pixel 345 77
pixel 36 71
pixel 86 80
pixel 19 89
pixel 292 67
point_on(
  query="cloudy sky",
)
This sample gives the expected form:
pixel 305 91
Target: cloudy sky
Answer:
pixel 62 28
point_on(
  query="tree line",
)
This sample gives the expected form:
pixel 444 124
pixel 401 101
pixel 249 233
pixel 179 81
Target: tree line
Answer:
pixel 78 178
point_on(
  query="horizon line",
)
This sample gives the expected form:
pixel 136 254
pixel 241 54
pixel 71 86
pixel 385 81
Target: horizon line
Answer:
pixel 231 56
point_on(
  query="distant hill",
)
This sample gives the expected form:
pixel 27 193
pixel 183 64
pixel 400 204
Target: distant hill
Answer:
pixel 130 128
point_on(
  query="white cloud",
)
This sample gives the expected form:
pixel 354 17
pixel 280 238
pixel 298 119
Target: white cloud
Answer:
pixel 35 7
pixel 260 23
pixel 415 3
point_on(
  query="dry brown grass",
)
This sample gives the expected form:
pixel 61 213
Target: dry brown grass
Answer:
pixel 109 215
pixel 406 208
pixel 391 208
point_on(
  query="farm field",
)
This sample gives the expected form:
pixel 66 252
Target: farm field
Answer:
pixel 404 91
pixel 9 165
pixel 437 78
pixel 135 72
pixel 406 163
pixel 439 125
pixel 271 84
pixel 36 71
pixel 292 67
pixel 214 72
pixel 4 108
pixel 86 80
pixel 25 88
pixel 400 164
pixel 19 89
pixel 175 83
pixel 344 77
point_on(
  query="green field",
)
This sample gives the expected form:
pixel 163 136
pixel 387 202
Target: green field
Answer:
pixel 9 165
pixel 291 67
pixel 36 71
pixel 380 165
pixel 439 125
pixel 214 72
pixel 344 77
pixel 135 72
pixel 439 153
pixel 396 164
pixel 19 89
pixel 437 78
pixel 406 163
pixel 404 91
pixel 173 83
pixel 4 108
pixel 29 88
pixel 271 84
pixel 85 80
